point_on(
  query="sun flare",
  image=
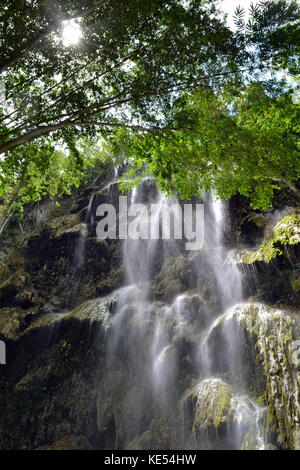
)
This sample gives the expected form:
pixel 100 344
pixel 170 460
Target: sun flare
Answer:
pixel 71 33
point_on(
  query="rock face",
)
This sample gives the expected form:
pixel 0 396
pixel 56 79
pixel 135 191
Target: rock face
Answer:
pixel 286 233
pixel 264 347
pixel 272 269
pixel 76 377
pixel 61 262
pixel 172 360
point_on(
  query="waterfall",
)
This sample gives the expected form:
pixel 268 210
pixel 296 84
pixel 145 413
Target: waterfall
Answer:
pixel 228 275
pixel 139 255
pixel 79 254
pixel 80 248
pixel 151 342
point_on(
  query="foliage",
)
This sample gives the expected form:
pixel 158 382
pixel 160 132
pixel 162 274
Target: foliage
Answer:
pixel 135 68
pixel 221 143
pixel 128 63
pixel 286 232
pixel 38 170
pixel 130 60
pixel 273 31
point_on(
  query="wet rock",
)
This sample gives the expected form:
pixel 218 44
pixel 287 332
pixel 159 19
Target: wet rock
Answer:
pixel 270 333
pixel 217 417
pixel 285 233
pixel 51 368
pixel 166 289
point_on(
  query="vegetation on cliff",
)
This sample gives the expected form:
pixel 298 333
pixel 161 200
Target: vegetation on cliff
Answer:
pixel 285 234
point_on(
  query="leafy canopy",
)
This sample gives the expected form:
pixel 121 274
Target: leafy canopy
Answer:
pixel 38 170
pixel 141 68
pixel 130 60
pixel 223 144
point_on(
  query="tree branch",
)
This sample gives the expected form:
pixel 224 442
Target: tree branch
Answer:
pixel 42 130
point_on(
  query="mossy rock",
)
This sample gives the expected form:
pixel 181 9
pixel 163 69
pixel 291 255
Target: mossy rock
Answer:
pixel 222 417
pixel 45 321
pixel 285 233
pixel 246 256
pixel 258 219
pixel 212 404
pixel 94 310
pixel 268 336
pixel 63 224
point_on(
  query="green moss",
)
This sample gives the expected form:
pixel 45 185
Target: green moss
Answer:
pixel 274 332
pixel 261 400
pixel 251 257
pixel 94 310
pixel 268 251
pixel 258 220
pixel 46 320
pixel 213 398
pixel 285 233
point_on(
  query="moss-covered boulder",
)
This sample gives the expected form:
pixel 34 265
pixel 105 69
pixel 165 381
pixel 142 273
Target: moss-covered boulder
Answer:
pixel 286 233
pixel 212 404
pixel 220 418
pixel 262 345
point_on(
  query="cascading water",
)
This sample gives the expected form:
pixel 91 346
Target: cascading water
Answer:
pixel 79 254
pixel 157 352
pixel 228 275
pixel 139 255
pixel 80 249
